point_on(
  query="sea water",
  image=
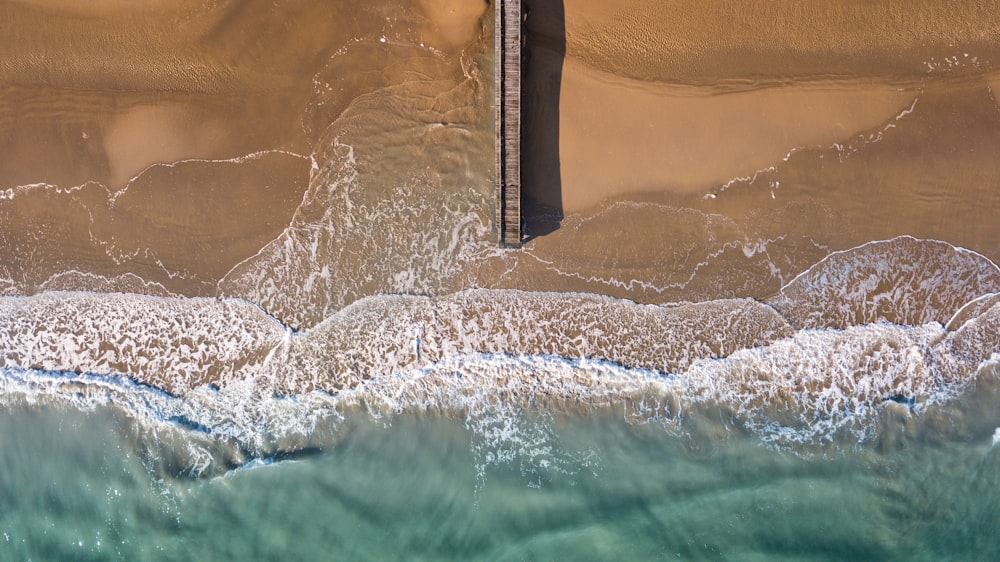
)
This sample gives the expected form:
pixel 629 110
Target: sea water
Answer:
pixel 81 484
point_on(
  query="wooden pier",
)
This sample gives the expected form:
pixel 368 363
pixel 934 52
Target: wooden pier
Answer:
pixel 507 42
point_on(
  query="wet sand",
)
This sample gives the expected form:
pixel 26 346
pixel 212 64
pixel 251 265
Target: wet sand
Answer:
pixel 739 45
pixel 620 136
pixel 930 173
pixel 686 97
pixel 172 141
pixel 304 158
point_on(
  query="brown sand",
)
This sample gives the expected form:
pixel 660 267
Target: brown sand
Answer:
pixel 794 76
pixel 172 139
pixel 449 24
pixel 890 108
pixel 620 135
pixel 177 136
pixel 726 43
pixel 932 174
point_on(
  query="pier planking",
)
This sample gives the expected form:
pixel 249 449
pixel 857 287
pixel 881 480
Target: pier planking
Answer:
pixel 508 20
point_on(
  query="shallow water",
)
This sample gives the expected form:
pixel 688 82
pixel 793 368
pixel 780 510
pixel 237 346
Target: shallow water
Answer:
pixel 77 484
pixel 252 304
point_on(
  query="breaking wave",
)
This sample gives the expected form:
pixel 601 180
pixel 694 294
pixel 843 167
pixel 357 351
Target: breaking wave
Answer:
pixel 904 280
pixel 820 373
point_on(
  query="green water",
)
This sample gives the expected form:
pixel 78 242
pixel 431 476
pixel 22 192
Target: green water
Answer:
pixel 90 485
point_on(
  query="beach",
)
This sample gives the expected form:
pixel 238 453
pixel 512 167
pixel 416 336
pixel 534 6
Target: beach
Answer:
pixel 250 279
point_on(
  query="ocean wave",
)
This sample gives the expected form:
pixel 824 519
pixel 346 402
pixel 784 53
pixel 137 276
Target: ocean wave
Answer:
pixel 177 344
pixel 228 370
pixel 369 223
pixel 905 280
pixel 819 404
pixel 820 384
pixel 383 335
pixel 171 343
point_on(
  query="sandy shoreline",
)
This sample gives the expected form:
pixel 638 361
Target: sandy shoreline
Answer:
pixel 687 96
pixel 174 141
pixel 673 150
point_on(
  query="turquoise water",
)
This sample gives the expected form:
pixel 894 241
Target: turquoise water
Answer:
pixel 96 483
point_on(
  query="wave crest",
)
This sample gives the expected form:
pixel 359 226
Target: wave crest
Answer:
pixel 172 343
pixel 383 335
pixel 904 281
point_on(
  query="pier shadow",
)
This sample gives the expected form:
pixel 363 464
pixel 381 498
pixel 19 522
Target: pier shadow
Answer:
pixel 541 78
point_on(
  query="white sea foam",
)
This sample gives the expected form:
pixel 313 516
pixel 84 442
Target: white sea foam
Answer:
pixel 382 335
pixel 73 280
pixel 819 382
pixel 487 355
pixel 972 309
pixel 800 392
pixel 7 194
pixel 171 343
pixel 367 227
pixel 8 286
pixel 177 344
pixel 975 342
pixel 903 280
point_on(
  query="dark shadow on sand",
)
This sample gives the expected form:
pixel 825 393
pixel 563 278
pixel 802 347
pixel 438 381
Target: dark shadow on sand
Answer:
pixel 541 181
